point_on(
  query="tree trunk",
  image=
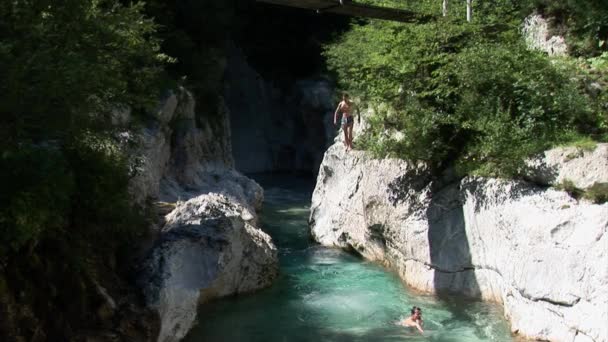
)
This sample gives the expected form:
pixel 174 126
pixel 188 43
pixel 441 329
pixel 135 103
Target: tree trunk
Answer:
pixel 445 8
pixel 469 10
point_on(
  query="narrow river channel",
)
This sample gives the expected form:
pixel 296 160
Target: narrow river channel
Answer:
pixel 325 294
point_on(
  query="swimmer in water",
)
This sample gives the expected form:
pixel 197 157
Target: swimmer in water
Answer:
pixel 415 320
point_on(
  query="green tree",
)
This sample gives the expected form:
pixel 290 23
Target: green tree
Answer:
pixel 469 94
pixel 66 65
pixel 65 216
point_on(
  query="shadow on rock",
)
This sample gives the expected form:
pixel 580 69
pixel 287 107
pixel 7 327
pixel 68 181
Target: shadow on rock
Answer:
pixel 450 250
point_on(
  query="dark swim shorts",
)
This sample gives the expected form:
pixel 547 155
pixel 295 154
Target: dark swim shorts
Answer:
pixel 347 120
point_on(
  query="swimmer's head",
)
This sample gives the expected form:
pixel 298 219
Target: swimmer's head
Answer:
pixel 416 310
pixel 344 96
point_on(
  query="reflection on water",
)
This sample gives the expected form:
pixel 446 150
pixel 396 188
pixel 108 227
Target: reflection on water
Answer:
pixel 327 295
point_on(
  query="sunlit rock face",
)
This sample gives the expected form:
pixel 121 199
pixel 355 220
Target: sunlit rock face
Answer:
pixel 583 168
pixel 537 34
pixel 209 248
pixel 536 250
pixel 175 147
pixel 275 128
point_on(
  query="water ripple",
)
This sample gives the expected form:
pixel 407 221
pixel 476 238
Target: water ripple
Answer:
pixel 325 294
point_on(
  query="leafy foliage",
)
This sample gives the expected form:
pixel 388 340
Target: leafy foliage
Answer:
pixel 67 65
pixel 583 22
pixel 35 196
pixel 64 207
pixel 597 193
pixel 69 62
pixel 469 94
pixel 569 187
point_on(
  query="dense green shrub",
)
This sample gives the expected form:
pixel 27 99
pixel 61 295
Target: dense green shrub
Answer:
pixel 513 102
pixel 35 197
pixel 65 66
pixel 469 94
pixel 103 213
pixel 65 218
pixel 76 192
pixel 597 193
pixel 569 187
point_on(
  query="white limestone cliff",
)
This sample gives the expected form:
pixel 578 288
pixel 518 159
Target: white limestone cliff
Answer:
pixel 209 249
pixel 175 147
pixel 536 250
pixel 209 245
pixel 582 167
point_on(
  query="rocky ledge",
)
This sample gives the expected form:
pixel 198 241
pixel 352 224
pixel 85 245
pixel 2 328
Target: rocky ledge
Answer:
pixel 533 248
pixel 209 248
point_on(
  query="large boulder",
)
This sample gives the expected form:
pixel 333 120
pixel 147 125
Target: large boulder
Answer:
pixel 536 250
pixel 228 182
pixel 209 248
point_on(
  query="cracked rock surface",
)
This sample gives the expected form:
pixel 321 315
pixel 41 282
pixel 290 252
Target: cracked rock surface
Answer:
pixel 536 250
pixel 209 248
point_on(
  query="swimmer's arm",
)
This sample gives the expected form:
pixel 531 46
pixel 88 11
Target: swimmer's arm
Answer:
pixel 419 328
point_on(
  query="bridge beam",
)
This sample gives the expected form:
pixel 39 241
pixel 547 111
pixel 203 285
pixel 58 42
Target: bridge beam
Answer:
pixel 347 7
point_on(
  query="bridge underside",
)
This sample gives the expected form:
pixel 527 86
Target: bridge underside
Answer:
pixel 347 7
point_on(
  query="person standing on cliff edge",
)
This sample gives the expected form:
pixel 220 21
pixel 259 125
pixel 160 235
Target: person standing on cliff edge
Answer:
pixel 346 106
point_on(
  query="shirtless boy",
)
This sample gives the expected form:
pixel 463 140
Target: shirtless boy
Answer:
pixel 346 107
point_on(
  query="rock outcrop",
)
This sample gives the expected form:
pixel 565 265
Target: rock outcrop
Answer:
pixel 537 35
pixel 208 245
pixel 582 167
pixel 536 250
pixel 209 249
pixel 177 147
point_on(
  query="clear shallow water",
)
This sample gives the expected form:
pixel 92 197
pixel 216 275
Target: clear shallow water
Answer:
pixel 328 295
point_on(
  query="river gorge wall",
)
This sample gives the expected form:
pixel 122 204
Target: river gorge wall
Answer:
pixel 277 126
pixel 536 250
pixel 186 153
pixel 207 244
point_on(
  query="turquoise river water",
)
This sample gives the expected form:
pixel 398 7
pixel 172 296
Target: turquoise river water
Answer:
pixel 325 294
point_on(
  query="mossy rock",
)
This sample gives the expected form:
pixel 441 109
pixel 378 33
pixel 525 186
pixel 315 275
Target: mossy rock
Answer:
pixel 597 193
